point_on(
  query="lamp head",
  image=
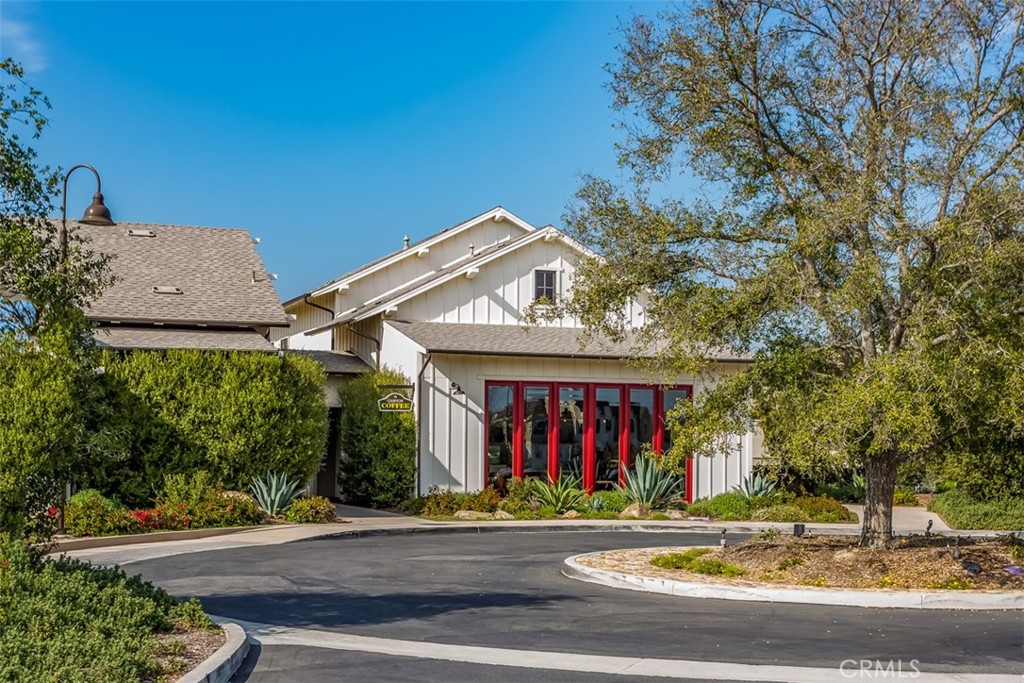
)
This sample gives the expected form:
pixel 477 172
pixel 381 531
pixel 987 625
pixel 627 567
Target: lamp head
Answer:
pixel 97 213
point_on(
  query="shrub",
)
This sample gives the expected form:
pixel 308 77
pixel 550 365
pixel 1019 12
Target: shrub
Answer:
pixel 961 511
pixel 312 510
pixel 275 492
pixel 64 621
pixel 609 501
pixel 693 560
pixel 379 467
pixel 561 495
pixel 236 415
pixel 486 500
pixel 89 513
pixel 651 486
pixel 823 510
pixel 904 497
pixel 726 506
pixel 196 502
pixel 519 499
pixel 755 487
pixel 780 513
pixel 990 469
pixel 438 503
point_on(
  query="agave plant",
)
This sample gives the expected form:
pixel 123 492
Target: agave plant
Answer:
pixel 563 494
pixel 753 487
pixel 275 492
pixel 650 486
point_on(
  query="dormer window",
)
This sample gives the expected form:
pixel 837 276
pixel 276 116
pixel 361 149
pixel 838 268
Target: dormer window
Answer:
pixel 545 285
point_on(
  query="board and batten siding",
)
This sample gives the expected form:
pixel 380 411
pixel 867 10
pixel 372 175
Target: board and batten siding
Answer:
pixel 451 425
pixel 502 291
pixel 306 318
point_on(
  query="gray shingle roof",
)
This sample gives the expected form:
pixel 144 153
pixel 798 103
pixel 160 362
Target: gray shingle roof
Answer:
pixel 161 338
pixel 212 267
pixel 335 362
pixel 513 340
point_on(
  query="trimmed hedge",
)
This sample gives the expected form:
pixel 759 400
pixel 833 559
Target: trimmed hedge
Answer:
pixel 235 415
pixel 960 511
pixel 379 466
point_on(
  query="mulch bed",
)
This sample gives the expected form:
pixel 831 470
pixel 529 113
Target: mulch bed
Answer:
pixel 915 563
pixel 176 661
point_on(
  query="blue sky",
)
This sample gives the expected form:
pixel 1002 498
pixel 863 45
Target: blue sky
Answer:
pixel 328 129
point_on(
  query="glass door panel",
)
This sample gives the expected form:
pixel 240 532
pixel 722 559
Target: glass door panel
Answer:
pixel 671 398
pixel 570 432
pixel 535 431
pixel 608 404
pixel 500 431
pixel 641 421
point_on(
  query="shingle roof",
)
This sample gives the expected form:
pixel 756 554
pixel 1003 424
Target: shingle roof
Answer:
pixel 213 268
pixel 513 340
pixel 335 362
pixel 160 338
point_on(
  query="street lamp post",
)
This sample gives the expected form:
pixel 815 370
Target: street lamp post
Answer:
pixel 95 214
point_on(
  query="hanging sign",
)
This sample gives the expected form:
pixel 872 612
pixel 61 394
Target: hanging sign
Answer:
pixel 395 403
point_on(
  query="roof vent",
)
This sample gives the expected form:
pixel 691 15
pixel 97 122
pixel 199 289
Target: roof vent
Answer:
pixel 405 242
pixel 167 290
pixel 140 233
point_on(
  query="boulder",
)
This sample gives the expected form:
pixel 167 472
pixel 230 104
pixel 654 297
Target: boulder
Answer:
pixel 635 511
pixel 472 514
pixel 501 514
pixel 675 514
pixel 571 514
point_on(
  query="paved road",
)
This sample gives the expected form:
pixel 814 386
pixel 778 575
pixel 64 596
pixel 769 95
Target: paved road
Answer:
pixel 505 591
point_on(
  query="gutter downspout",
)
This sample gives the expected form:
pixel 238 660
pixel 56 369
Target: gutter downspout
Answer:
pixel 419 411
pixel 376 341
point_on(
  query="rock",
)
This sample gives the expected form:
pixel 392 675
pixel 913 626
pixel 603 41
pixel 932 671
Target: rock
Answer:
pixel 675 514
pixel 571 514
pixel 635 511
pixel 501 514
pixel 472 514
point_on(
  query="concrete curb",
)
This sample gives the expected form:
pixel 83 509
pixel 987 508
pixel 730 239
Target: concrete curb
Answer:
pixel 989 600
pixel 222 664
pixel 155 537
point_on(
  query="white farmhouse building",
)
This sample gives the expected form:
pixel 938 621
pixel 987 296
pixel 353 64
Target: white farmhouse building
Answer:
pixel 494 398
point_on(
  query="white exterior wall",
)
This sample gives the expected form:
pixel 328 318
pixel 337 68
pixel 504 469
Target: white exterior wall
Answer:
pixel 452 426
pixel 502 290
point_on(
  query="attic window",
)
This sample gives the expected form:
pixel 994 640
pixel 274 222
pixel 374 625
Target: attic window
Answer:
pixel 545 286
pixel 140 233
pixel 167 290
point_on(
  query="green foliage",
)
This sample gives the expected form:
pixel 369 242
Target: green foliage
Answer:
pixel 560 495
pixel 275 492
pixel 311 510
pixel 961 511
pixel 726 506
pixel 852 491
pixel 866 238
pixel 64 621
pixel 89 513
pixel 444 503
pixel 780 513
pixel 235 415
pixel 650 484
pixel 609 501
pixel 379 468
pixel 693 560
pixel 988 470
pixel 190 615
pixel 823 510
pixel 195 501
pixel 905 498
pixel 757 485
pixel 519 498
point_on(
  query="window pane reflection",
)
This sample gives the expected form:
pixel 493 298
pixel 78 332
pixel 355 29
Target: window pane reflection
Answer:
pixel 535 432
pixel 570 432
pixel 499 433
pixel 607 437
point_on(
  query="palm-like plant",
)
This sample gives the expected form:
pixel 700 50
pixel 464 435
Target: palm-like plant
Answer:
pixel 753 487
pixel 563 494
pixel 275 492
pixel 651 486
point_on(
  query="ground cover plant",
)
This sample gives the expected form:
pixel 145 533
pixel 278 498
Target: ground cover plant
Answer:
pixel 916 562
pixel 65 621
pixel 962 511
pixel 311 510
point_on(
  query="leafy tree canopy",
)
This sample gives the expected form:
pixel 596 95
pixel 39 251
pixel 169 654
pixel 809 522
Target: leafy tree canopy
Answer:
pixel 858 228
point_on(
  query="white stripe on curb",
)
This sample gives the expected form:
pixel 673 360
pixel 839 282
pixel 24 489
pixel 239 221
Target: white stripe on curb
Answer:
pixel 988 600
pixel 634 667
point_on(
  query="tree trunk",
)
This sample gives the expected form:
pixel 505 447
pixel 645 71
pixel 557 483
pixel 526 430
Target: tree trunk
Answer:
pixel 880 476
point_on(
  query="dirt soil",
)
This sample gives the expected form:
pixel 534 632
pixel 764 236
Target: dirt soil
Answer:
pixel 916 563
pixel 196 645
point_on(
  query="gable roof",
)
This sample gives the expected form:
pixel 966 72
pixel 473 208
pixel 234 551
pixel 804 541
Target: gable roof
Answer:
pixel 439 277
pixel 213 276
pixel 497 212
pixel 514 340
